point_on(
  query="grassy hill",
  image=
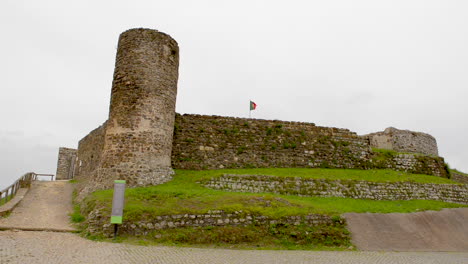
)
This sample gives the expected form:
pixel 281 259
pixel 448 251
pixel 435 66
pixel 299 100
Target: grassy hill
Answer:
pixel 185 195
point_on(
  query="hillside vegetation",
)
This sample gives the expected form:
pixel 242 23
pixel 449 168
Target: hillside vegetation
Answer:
pixel 185 195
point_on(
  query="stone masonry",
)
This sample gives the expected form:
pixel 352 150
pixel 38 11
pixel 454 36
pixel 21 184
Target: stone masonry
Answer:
pixel 98 222
pixel 136 141
pixel 65 163
pixel 404 141
pixel 143 139
pixel 459 177
pixel 215 142
pixel 453 193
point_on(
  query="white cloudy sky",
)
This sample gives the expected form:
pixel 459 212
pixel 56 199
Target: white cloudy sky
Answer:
pixel 362 65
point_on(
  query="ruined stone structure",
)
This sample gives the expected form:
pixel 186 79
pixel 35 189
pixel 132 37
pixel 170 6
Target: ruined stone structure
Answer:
pixel 135 143
pixel 214 142
pixel 138 133
pixel 65 163
pixel 404 141
pixel 143 137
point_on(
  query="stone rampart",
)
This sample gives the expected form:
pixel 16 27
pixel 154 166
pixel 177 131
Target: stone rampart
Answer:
pixel 143 139
pixel 404 141
pixel 214 142
pixel 90 150
pixel 341 188
pixel 65 163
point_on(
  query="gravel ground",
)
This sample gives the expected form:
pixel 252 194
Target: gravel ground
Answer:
pixel 53 247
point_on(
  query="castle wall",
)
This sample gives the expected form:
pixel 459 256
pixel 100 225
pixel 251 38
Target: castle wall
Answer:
pixel 213 142
pixel 65 163
pixel 404 141
pixel 138 134
pixel 89 156
pixel 143 139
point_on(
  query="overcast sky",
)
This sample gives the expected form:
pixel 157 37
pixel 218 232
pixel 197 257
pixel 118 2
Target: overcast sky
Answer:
pixel 361 65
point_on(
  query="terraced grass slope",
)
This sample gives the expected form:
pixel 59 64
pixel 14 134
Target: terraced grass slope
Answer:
pixel 185 195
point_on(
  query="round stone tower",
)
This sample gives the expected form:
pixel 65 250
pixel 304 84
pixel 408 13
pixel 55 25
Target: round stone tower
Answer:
pixel 138 134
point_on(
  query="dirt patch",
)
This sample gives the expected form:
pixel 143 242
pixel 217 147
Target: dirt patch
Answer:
pixel 446 230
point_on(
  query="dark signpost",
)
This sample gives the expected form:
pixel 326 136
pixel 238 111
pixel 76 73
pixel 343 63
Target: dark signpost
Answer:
pixel 118 204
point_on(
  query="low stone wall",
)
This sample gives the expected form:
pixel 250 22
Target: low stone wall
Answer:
pixel 412 163
pixel 459 177
pixel 341 188
pixel 99 224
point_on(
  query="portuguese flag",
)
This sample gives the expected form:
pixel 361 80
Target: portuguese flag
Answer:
pixel 253 106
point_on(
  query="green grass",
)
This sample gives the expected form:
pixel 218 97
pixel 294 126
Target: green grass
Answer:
pixel 317 173
pixel 76 216
pixel 184 195
pixel 276 236
pixel 4 199
pixel 459 172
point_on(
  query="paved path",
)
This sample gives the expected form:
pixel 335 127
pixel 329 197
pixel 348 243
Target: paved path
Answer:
pixel 445 230
pixel 52 247
pixel 45 207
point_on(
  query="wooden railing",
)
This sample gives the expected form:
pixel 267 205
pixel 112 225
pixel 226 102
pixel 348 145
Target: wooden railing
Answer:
pixel 23 182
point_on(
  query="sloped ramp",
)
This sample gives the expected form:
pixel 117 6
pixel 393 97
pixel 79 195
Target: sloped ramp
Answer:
pixel 45 207
pixel 445 230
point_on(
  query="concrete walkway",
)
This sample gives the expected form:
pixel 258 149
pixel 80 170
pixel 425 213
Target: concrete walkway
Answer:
pixel 53 247
pixel 45 207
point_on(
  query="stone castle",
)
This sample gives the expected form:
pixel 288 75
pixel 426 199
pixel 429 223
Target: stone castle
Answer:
pixel 144 139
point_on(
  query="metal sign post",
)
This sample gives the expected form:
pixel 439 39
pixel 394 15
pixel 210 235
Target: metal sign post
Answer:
pixel 118 204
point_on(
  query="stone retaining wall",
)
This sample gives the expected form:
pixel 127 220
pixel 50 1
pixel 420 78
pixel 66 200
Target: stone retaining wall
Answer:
pixel 97 223
pixel 459 177
pixel 412 163
pixel 341 188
